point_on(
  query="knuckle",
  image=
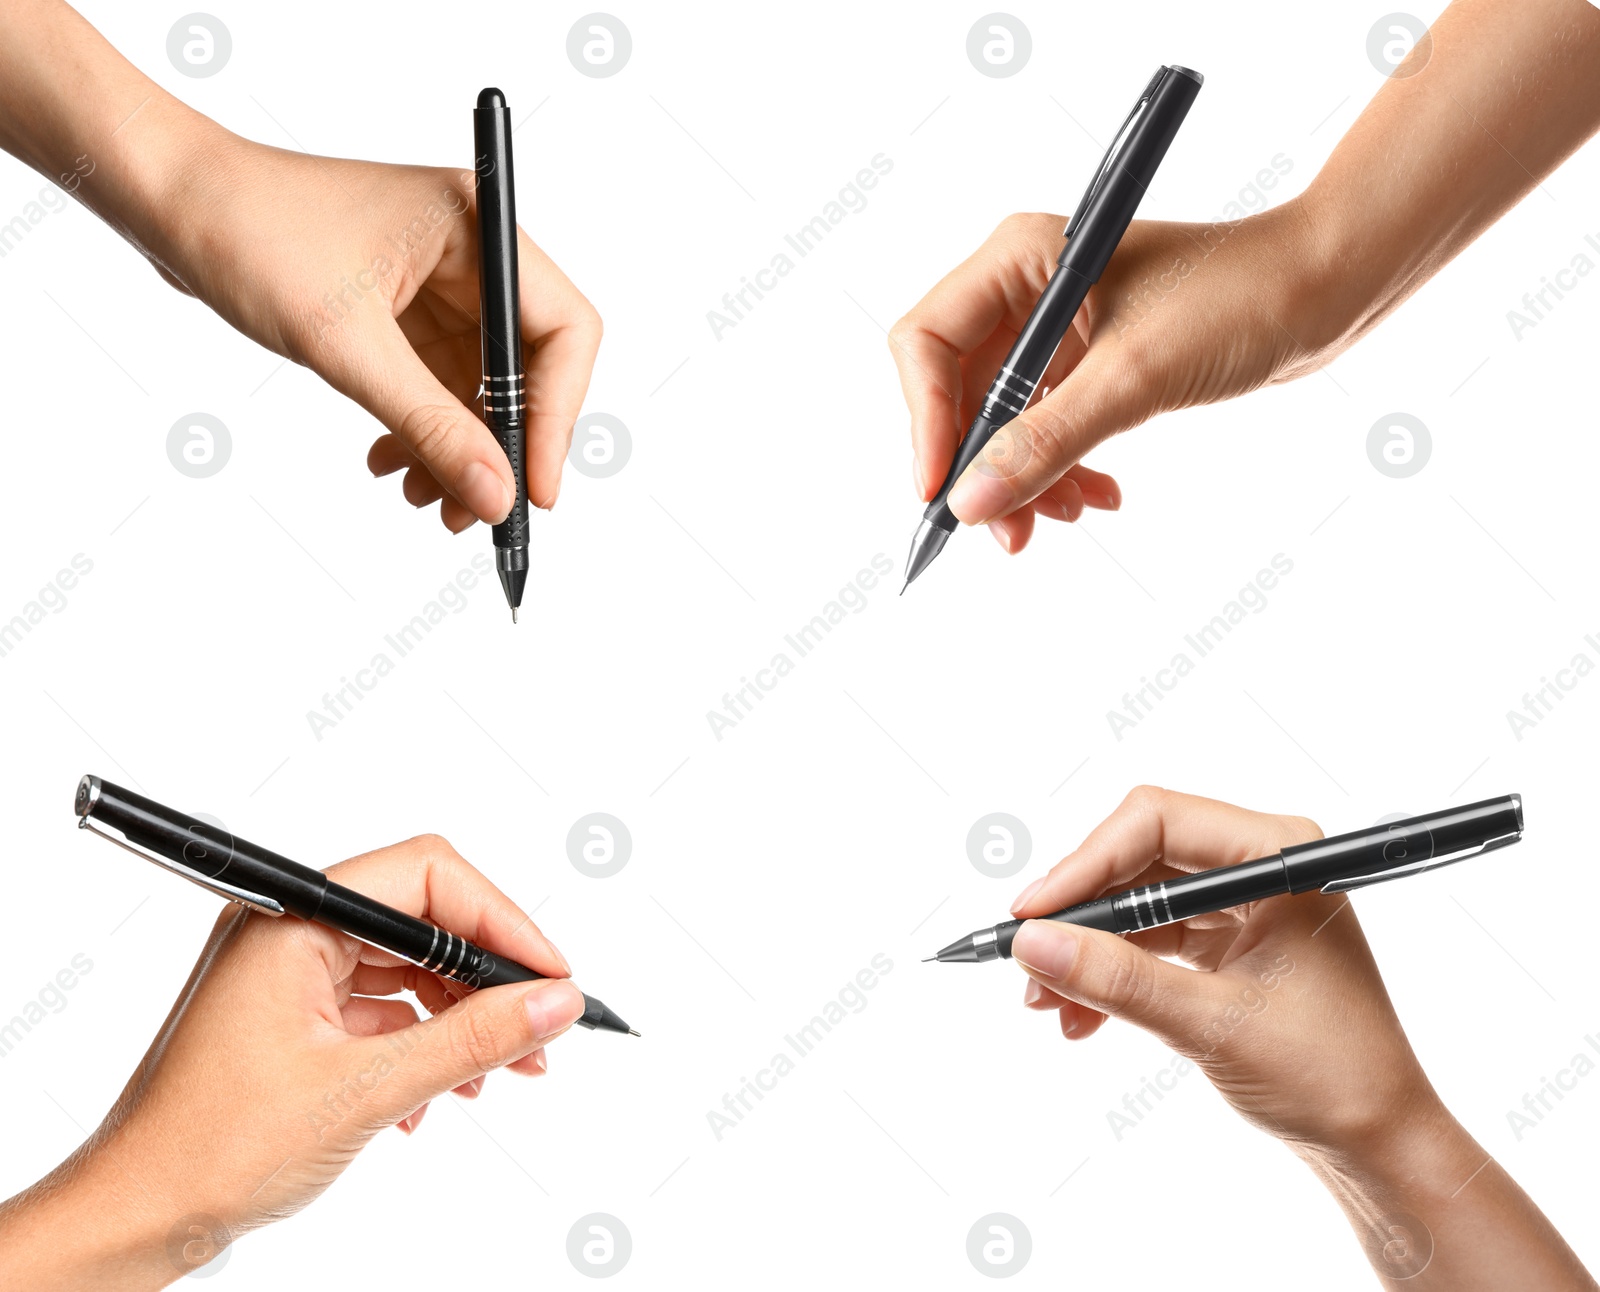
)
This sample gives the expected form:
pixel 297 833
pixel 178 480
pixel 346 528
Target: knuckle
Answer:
pixel 1145 798
pixel 1302 829
pixel 475 1037
pixel 432 431
pixel 1126 983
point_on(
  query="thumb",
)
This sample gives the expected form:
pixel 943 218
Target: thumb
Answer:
pixel 1109 974
pixel 1032 451
pixel 383 374
pixel 486 1030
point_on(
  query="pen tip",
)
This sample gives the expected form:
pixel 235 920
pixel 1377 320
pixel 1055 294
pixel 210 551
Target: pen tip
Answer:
pixel 904 586
pixel 632 1032
pixel 930 960
pixel 513 614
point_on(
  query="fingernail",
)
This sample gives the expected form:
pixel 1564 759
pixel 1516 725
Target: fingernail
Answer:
pixel 1051 507
pixel 1048 949
pixel 559 956
pixel 1101 501
pixel 540 1062
pixel 484 492
pixel 1026 893
pixel 553 1006
pixel 1033 994
pixel 1002 535
pixel 477 1086
pixel 977 498
pixel 916 477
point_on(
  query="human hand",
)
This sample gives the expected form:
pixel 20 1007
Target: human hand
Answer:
pixel 1184 314
pixel 368 274
pixel 1281 1005
pixel 280 1061
pixel 1287 1014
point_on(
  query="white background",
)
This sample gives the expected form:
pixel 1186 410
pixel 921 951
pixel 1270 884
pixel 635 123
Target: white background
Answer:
pixel 768 467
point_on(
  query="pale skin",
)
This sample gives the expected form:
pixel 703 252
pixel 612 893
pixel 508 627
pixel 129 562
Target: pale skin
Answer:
pixel 299 253
pixel 1502 94
pixel 1281 1005
pixel 285 1053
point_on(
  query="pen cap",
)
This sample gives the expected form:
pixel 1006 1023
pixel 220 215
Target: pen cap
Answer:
pixel 202 848
pixel 1127 172
pixel 1402 844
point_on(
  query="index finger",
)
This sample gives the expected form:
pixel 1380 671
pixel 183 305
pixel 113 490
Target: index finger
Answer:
pixel 1183 830
pixel 562 331
pixel 428 878
pixel 961 312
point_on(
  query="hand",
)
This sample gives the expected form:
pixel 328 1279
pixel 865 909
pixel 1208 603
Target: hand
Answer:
pixel 1282 1007
pixel 1184 314
pixel 1287 989
pixel 368 275
pixel 282 1058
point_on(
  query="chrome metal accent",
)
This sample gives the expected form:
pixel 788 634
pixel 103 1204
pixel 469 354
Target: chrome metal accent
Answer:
pixel 230 892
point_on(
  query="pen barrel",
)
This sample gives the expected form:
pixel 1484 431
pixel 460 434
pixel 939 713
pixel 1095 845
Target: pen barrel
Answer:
pixel 432 948
pixel 499 302
pixel 1106 216
pixel 1014 384
pixel 203 848
pixel 1401 843
pixel 423 944
pixel 1201 893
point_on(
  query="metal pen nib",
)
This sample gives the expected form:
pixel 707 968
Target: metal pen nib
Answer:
pixel 926 543
pixel 632 1032
pixel 975 948
pixel 513 614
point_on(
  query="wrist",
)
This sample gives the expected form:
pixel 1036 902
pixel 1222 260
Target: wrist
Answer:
pixel 1344 285
pixel 151 185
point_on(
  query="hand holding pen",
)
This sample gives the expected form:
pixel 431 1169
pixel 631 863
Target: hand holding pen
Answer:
pixel 290 1051
pixel 1280 1004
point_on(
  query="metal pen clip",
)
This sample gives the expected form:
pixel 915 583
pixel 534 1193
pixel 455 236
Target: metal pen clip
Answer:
pixel 1417 867
pixel 1111 153
pixel 229 892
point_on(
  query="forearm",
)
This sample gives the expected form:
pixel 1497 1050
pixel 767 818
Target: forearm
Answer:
pixel 80 1228
pixel 83 116
pixel 1433 1210
pixel 1507 93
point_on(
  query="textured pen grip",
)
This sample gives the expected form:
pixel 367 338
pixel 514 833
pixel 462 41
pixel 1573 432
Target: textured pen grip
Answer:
pixel 505 414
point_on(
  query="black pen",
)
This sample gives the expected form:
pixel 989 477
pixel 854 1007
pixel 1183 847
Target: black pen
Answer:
pixel 504 400
pixel 1336 865
pixel 1092 235
pixel 251 876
